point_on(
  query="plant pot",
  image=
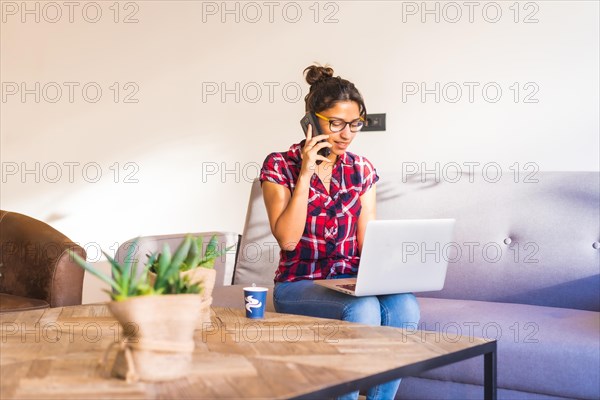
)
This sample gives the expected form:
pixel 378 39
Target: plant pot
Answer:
pixel 160 336
pixel 207 277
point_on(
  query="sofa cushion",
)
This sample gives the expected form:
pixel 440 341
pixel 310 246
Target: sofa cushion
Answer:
pixel 429 389
pixel 548 350
pixel 10 303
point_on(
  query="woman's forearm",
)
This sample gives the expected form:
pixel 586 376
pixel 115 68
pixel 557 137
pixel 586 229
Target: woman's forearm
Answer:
pixel 290 224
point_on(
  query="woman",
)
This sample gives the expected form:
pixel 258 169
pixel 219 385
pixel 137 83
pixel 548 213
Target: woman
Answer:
pixel 319 207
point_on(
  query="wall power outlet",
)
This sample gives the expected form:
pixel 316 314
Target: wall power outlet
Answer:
pixel 375 122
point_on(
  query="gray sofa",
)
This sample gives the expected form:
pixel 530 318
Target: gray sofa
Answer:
pixel 524 268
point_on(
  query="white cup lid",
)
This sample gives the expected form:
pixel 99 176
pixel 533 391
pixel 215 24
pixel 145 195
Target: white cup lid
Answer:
pixel 256 289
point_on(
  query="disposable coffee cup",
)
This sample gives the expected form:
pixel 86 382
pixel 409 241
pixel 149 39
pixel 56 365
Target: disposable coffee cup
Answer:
pixel 255 300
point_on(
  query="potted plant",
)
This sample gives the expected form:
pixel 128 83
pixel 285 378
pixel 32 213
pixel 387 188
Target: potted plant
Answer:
pixel 164 315
pixel 195 268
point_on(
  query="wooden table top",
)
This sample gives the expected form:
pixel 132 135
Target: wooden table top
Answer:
pixel 55 353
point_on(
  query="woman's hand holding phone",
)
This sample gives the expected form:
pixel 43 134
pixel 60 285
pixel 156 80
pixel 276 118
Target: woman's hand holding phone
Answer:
pixel 310 150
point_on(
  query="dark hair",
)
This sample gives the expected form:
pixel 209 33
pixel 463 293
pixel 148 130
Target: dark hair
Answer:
pixel 326 90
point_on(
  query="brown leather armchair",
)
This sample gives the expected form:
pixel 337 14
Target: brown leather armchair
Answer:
pixel 35 269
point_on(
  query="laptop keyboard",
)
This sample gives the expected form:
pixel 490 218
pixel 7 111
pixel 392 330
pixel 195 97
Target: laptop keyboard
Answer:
pixel 350 286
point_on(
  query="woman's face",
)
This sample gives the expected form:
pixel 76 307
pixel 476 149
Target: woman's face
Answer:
pixel 342 110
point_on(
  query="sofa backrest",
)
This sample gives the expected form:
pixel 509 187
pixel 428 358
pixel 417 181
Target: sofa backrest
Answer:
pixel 524 239
pixel 519 237
pixel 151 244
pixel 258 253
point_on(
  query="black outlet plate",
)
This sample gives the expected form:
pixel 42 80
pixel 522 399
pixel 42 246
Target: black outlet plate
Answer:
pixel 376 122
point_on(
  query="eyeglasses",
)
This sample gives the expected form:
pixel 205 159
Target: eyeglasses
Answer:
pixel 338 125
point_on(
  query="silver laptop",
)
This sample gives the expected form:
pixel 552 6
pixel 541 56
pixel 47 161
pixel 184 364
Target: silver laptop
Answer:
pixel 400 256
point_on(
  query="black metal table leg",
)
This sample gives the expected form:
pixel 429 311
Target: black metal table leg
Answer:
pixel 489 375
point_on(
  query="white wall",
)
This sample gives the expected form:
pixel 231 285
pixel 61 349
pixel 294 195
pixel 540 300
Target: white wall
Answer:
pixel 173 137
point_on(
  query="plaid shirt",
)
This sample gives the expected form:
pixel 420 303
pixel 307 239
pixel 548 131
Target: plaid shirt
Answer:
pixel 328 246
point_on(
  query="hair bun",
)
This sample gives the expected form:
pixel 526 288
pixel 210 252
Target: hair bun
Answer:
pixel 316 73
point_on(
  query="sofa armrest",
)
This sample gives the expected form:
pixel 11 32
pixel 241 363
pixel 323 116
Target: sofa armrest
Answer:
pixel 35 261
pixel 224 265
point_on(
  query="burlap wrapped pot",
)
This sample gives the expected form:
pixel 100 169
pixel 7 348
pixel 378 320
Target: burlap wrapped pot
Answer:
pixel 207 278
pixel 161 336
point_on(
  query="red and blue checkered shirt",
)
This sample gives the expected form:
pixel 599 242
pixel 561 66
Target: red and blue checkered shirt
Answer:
pixel 328 246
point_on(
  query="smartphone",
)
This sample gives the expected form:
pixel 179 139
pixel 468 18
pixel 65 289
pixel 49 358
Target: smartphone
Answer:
pixel 312 119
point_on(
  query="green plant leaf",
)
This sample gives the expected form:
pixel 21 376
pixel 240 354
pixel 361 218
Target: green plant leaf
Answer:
pixel 164 260
pixel 192 258
pixel 182 251
pixel 116 272
pixel 123 272
pixel 200 243
pixel 92 270
pixel 150 262
pixel 209 261
pixel 168 268
pixel 211 246
pixel 110 293
pixel 129 268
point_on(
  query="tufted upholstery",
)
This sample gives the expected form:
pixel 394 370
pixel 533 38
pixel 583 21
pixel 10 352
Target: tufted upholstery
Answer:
pixel 524 267
pixel 552 225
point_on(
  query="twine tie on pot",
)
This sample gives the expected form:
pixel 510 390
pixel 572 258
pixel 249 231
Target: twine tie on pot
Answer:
pixel 127 347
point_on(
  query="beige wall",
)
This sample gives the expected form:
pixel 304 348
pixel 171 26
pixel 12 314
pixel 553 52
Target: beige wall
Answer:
pixel 175 134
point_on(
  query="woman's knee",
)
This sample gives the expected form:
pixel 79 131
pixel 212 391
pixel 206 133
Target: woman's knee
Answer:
pixel 363 310
pixel 400 310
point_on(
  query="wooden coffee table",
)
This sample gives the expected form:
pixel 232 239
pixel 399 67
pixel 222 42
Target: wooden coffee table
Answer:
pixel 55 353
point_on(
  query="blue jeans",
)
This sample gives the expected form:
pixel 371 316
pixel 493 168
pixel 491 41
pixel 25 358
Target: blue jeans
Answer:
pixel 306 298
